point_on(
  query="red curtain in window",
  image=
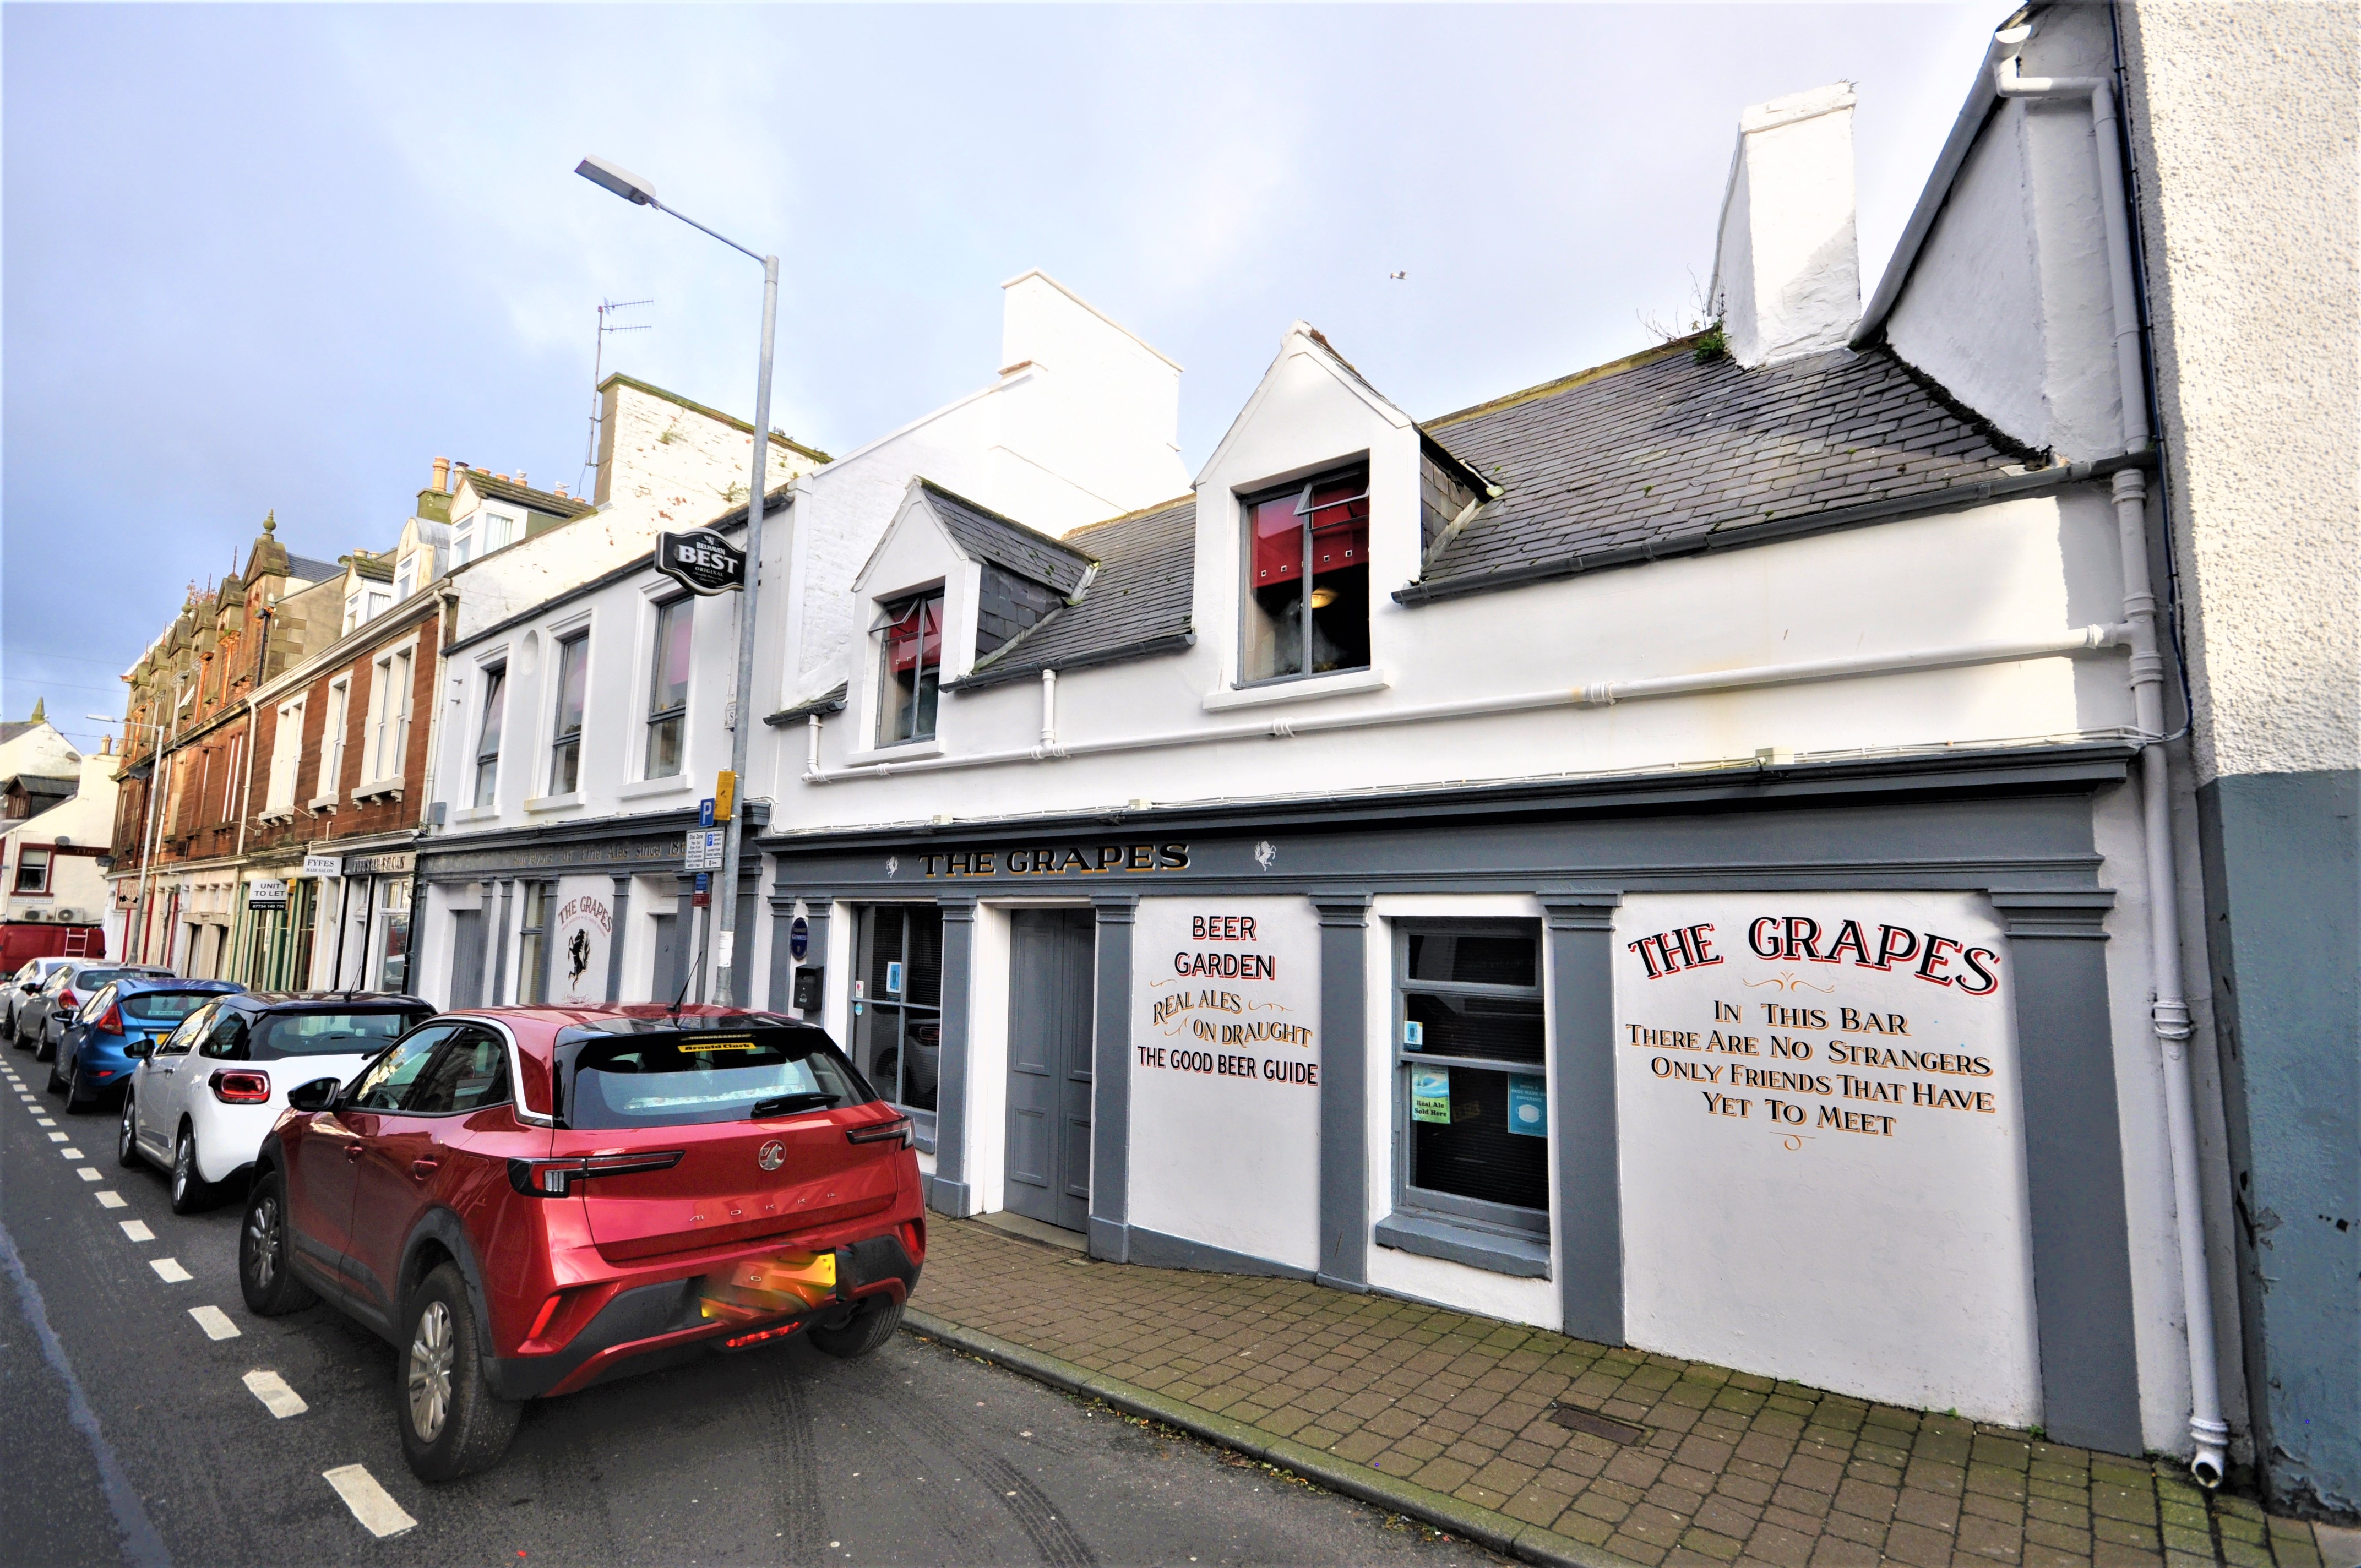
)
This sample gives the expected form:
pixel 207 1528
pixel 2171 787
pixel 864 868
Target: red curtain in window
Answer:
pixel 1340 530
pixel 917 638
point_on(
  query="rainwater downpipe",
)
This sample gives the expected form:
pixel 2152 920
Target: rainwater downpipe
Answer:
pixel 2169 1011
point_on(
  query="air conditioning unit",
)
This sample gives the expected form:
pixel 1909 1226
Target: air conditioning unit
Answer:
pixel 36 914
pixel 69 916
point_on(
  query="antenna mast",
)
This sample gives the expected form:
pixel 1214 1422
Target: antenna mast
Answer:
pixel 598 371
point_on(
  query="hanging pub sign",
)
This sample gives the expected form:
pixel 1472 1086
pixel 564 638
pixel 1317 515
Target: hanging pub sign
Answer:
pixel 701 561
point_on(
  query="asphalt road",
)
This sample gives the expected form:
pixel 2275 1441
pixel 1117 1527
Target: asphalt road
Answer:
pixel 129 1433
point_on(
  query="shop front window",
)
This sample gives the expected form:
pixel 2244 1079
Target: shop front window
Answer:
pixel 1470 1045
pixel 533 950
pixel 897 1001
pixel 393 935
pixel 1307 600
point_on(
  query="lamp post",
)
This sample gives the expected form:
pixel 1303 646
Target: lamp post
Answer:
pixel 632 188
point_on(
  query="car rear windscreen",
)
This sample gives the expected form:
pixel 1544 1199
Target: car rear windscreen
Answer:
pixel 355 1034
pixel 667 1079
pixel 163 1006
pixel 90 980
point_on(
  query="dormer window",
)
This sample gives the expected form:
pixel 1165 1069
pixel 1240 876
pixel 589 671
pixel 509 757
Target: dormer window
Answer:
pixel 405 578
pixel 365 604
pixel 480 532
pixel 910 662
pixel 1307 609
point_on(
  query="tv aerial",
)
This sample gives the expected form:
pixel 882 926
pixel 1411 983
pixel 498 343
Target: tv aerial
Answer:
pixel 607 308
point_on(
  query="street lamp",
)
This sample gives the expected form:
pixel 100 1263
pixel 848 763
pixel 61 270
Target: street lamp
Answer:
pixel 632 188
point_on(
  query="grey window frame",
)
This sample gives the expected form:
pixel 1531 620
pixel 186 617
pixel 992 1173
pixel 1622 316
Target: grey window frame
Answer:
pixel 1248 501
pixel 889 614
pixel 1430 1211
pixel 532 941
pixel 864 915
pixel 565 745
pixel 678 714
pixel 489 730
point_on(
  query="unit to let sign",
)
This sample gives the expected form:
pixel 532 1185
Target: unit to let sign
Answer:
pixel 704 851
pixel 266 892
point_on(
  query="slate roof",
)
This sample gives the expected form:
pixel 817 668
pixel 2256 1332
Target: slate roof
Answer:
pixel 13 728
pixel 313 571
pixel 493 488
pixel 1649 451
pixel 986 536
pixel 1138 603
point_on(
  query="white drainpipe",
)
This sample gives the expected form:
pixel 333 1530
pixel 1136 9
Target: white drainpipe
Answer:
pixel 1601 693
pixel 2169 1013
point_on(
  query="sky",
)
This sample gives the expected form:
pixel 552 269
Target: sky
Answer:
pixel 275 259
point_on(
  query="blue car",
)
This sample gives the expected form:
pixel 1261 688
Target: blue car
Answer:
pixel 93 1058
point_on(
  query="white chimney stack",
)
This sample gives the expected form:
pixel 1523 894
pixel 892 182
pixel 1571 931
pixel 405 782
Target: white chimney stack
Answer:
pixel 1786 270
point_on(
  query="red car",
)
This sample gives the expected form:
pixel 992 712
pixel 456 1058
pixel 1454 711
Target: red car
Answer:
pixel 525 1200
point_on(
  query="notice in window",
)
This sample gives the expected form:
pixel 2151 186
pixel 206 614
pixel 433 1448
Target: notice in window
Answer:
pixel 1822 1146
pixel 1226 1074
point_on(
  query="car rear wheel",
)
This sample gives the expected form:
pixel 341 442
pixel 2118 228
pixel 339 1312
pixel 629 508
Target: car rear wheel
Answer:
pixel 451 1423
pixel 127 1132
pixel 56 1080
pixel 78 1098
pixel 870 1327
pixel 264 1244
pixel 190 1191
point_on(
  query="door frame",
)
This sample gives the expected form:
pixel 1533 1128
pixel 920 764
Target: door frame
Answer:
pixel 987 1048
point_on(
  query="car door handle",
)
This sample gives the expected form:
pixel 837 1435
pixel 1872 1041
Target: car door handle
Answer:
pixel 423 1168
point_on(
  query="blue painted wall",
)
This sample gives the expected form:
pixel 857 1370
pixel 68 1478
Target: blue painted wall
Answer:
pixel 2283 925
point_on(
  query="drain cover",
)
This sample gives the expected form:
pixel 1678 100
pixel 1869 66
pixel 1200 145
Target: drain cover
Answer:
pixel 1576 1419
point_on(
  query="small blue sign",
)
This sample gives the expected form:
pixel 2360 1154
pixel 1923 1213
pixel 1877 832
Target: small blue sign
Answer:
pixel 705 812
pixel 893 979
pixel 799 937
pixel 1413 1034
pixel 704 882
pixel 1529 1105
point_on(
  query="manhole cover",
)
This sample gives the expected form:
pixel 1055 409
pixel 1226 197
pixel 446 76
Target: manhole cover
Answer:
pixel 1575 1418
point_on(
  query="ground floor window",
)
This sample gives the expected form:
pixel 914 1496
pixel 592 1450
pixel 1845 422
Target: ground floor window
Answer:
pixel 1469 1047
pixel 533 943
pixel 897 1000
pixel 393 934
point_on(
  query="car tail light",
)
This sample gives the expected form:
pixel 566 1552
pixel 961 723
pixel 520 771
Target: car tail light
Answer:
pixel 67 999
pixel 557 1177
pixel 231 1087
pixel 897 1131
pixel 110 1022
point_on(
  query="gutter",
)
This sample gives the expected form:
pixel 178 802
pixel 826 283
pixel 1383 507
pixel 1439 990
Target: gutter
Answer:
pixel 1738 535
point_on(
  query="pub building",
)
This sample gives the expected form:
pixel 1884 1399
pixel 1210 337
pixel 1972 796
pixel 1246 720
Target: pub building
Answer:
pixel 1657 855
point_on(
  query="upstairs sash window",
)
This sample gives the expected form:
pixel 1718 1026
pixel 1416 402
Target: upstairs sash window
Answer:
pixel 488 734
pixel 668 688
pixel 910 640
pixel 1306 608
pixel 566 744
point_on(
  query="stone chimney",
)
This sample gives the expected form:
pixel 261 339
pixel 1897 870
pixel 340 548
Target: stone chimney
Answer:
pixel 1786 270
pixel 442 474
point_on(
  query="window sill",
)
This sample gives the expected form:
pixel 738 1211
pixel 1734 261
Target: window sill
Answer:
pixel 1306 688
pixel 322 804
pixel 474 813
pixel 377 787
pixel 275 815
pixel 640 789
pixel 554 802
pixel 922 1129
pixel 907 751
pixel 1461 1241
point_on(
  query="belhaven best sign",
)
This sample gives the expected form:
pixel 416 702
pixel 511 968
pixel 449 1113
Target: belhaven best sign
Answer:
pixel 701 561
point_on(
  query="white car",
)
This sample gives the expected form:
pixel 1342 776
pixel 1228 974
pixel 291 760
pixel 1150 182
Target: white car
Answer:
pixel 199 1102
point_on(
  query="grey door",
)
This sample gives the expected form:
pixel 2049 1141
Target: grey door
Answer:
pixel 1050 955
pixel 468 959
pixel 667 970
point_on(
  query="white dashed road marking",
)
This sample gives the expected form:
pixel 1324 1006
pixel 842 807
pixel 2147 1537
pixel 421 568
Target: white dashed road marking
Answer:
pixel 57 1138
pixel 371 1503
pixel 46 1121
pixel 213 1320
pixel 138 1231
pixel 276 1396
pixel 87 1173
pixel 72 1154
pixel 169 1271
pixel 112 1200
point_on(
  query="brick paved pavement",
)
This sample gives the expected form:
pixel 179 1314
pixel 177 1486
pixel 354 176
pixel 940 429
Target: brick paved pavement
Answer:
pixel 1728 1467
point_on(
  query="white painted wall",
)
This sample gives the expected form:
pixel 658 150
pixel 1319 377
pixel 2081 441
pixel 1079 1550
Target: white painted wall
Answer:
pixel 85 818
pixel 2008 305
pixel 1787 267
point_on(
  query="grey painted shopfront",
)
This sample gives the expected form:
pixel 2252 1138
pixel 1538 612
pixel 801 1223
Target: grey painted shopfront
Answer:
pixel 1578 869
